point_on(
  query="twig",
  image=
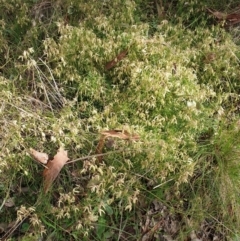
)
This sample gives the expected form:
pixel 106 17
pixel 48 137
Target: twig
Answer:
pixel 13 228
pixel 9 233
pixel 95 155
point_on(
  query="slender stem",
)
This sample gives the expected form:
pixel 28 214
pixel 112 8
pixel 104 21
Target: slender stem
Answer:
pixel 95 155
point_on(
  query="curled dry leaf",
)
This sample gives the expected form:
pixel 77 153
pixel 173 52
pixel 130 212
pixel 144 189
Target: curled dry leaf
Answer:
pixel 100 147
pixel 218 15
pixel 121 134
pixel 210 57
pixel 231 18
pixel 54 167
pixel 39 156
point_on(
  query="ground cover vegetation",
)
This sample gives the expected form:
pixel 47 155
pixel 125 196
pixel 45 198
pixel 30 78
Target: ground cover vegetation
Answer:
pixel 151 85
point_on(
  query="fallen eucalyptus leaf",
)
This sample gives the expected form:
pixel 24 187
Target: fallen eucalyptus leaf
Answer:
pixel 53 168
pixel 39 156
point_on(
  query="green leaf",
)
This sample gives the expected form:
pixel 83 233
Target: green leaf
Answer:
pixel 101 227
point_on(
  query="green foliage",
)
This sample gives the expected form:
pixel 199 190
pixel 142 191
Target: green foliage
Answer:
pixel 178 88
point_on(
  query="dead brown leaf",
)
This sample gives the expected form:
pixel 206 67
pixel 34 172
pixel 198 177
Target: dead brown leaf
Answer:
pixel 121 134
pixel 218 15
pixel 231 18
pixel 100 147
pixel 39 156
pixel 118 58
pixel 210 57
pixel 54 167
pixel 160 9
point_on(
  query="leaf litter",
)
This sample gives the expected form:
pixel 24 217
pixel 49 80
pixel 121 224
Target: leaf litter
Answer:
pixel 39 156
pixel 53 168
pixel 109 135
pixel 230 19
pixel 160 222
